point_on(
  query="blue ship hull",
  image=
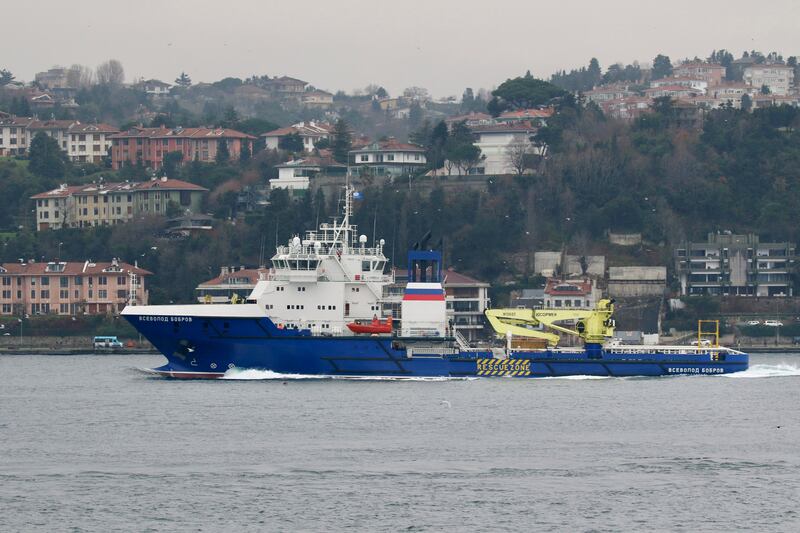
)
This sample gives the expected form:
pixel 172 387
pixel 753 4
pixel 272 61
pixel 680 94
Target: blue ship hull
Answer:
pixel 206 347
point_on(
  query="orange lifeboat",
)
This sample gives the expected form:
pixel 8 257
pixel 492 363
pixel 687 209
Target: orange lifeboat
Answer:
pixel 373 328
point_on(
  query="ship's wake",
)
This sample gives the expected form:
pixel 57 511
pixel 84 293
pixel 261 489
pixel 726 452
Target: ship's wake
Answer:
pixel 766 371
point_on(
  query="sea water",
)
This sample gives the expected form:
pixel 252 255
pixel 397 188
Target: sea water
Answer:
pixel 91 443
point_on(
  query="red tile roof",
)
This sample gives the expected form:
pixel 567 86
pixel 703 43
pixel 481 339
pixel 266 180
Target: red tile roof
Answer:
pixel 452 278
pixel 183 133
pixel 251 274
pixel 389 146
pixel 305 128
pixel 527 113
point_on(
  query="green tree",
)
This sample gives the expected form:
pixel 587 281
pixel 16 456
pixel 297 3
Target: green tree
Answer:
pixel 460 149
pixel 183 80
pixel 223 154
pixel 20 107
pixel 662 67
pixel 342 141
pixel 46 157
pixel 245 154
pixel 291 143
pixel 747 102
pixel 594 73
pixel 523 93
pixel 5 77
pixel 765 89
pixel 415 115
pixel 172 162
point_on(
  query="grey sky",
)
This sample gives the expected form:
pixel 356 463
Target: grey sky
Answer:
pixel 444 45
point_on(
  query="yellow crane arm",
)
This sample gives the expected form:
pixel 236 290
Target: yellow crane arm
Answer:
pixel 592 325
pixel 514 321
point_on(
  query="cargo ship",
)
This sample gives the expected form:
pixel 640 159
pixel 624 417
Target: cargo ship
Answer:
pixel 318 310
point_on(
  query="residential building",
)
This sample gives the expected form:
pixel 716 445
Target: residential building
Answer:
pixel 108 204
pixel 528 299
pixel 14 137
pixel 231 281
pixel 494 141
pixel 778 78
pixel 310 132
pixel 83 143
pixel 71 288
pixel 550 264
pixel 297 174
pixel 580 293
pixel 467 299
pixel 285 86
pixel 629 108
pixel 317 99
pixel 768 100
pixel 673 91
pixel 470 119
pixel 637 281
pixel 735 265
pixel 712 73
pixel 605 93
pixel 148 146
pixel 387 158
pixel 154 87
pixel 535 117
pixel 52 78
pixel 693 83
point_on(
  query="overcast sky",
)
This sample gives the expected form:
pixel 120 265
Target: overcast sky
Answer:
pixel 444 45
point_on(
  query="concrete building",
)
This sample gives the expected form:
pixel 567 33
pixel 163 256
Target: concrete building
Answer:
pixel 55 77
pixel 494 141
pixel 231 281
pixel 712 73
pixel 107 204
pixel 778 78
pixel 148 146
pixel 636 281
pixel 549 264
pixel 317 99
pixel 70 288
pixel 298 173
pixel 528 299
pixel 387 158
pixel 735 265
pixel 14 136
pixel 83 143
pixel 467 299
pixel 310 132
pixel 154 87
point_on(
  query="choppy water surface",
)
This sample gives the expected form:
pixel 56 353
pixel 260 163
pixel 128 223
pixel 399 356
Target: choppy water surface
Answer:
pixel 88 443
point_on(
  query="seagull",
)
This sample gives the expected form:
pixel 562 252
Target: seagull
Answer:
pixel 447 404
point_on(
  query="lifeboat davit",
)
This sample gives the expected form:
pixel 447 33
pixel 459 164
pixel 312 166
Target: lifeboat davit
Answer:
pixel 373 328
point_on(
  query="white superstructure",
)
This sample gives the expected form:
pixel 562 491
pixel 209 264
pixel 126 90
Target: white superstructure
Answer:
pixel 325 280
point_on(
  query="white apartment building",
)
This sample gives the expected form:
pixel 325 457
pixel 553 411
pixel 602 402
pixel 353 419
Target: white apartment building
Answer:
pixel 779 78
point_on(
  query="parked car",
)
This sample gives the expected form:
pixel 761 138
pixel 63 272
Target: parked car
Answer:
pixel 703 342
pixel 773 323
pixel 752 323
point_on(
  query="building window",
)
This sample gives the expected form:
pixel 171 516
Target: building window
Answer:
pixel 45 280
pixel 63 294
pixel 45 294
pixel 364 158
pixel 102 280
pixel 102 294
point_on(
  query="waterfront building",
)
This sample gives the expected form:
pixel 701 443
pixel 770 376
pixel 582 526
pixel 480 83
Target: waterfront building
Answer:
pixel 71 288
pixel 107 204
pixel 387 158
pixel 735 265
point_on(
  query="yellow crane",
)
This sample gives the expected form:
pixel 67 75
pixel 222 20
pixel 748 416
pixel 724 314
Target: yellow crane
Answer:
pixel 594 326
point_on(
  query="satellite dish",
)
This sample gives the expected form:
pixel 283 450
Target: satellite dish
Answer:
pixel 383 242
pixel 362 239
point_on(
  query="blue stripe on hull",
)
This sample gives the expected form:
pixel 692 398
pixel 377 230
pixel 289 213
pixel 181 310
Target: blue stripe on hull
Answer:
pixel 206 347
